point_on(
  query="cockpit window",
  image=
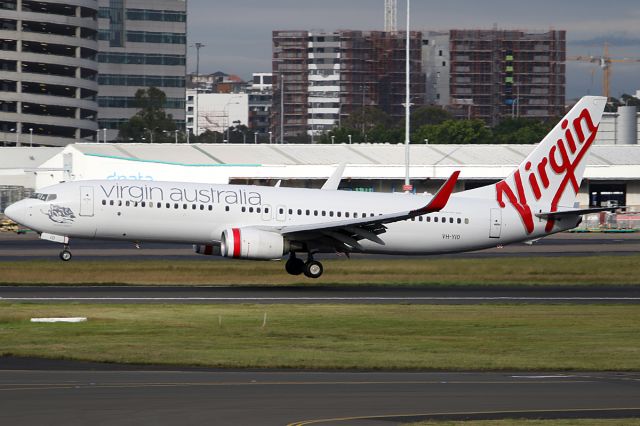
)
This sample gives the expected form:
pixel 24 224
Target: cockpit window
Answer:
pixel 44 197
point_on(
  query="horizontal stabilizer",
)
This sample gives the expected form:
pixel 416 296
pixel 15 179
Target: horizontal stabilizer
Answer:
pixel 575 212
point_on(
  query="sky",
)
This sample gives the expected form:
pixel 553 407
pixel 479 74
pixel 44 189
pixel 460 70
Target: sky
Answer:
pixel 237 33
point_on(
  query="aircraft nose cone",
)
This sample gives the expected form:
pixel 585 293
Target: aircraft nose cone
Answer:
pixel 15 212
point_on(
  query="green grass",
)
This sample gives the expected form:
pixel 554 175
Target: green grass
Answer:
pixel 484 337
pixel 592 270
pixel 522 422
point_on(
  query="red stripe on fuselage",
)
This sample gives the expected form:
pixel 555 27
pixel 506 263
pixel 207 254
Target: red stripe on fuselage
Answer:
pixel 236 242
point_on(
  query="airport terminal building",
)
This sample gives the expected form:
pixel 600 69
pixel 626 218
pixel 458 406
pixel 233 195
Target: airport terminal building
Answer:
pixel 612 176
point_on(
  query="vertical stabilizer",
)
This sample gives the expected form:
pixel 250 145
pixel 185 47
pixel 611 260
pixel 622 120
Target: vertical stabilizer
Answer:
pixel 550 176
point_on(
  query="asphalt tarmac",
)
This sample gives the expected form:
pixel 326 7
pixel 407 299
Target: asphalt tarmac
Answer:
pixel 310 295
pixel 49 392
pixel 27 247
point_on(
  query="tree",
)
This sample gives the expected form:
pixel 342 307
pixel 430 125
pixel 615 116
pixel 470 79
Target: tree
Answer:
pixel 455 132
pixel 151 121
pixel 522 130
pixel 429 115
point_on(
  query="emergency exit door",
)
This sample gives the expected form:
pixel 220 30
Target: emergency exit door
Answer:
pixel 86 201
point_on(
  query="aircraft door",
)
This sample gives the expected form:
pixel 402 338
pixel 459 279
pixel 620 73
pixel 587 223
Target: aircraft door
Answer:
pixel 86 201
pixel 496 223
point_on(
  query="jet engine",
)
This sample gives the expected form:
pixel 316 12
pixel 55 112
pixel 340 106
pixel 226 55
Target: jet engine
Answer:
pixel 247 243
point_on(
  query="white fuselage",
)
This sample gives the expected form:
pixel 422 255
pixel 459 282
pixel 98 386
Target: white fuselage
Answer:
pixel 199 213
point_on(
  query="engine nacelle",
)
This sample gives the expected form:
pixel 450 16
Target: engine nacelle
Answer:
pixel 250 243
pixel 207 249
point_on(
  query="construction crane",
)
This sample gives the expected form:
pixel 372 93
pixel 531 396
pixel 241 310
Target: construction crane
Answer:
pixel 605 62
pixel 391 15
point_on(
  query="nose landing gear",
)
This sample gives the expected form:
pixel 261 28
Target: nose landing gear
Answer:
pixel 65 254
pixel 311 268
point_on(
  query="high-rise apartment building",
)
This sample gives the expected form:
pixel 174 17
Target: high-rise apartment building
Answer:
pixel 504 73
pixel 322 78
pixel 48 71
pixel 142 43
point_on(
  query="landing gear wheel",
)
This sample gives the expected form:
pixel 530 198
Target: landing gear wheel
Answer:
pixel 65 255
pixel 313 269
pixel 294 266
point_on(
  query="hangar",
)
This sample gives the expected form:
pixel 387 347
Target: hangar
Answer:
pixel 612 176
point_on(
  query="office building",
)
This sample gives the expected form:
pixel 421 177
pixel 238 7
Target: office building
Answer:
pixel 142 43
pixel 48 71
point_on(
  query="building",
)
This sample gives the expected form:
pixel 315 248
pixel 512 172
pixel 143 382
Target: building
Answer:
pixel 260 101
pixel 436 64
pixel 504 73
pixel 142 43
pixel 322 78
pixel 619 128
pixel 48 71
pixel 216 112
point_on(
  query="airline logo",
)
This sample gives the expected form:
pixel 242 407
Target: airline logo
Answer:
pixel 553 172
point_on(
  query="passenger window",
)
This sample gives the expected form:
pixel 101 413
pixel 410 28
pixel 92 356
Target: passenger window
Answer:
pixel 226 208
pixel 258 210
pixel 193 207
pixel 243 209
pixel 184 206
pixel 290 211
pixel 127 204
pixel 466 221
pixel 459 221
pixel 299 212
pixel 428 218
pixel 210 207
pixel 324 212
pixel 346 214
pixel 159 205
pixel 355 215
pixel 250 209
pixel 104 202
pixel 330 214
pixel 280 210
pixel 420 218
pixel 201 206
pixel 315 212
pixel 176 206
pixel 135 204
pixel 339 214
pixel 413 219
pixel 143 204
pixel 266 209
pixel 111 202
pixel 308 212
pixel 435 219
pixel 444 220
pixel 119 203
pixel 450 220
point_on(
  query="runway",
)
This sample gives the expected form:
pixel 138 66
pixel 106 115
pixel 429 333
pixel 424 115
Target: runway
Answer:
pixel 310 295
pixel 81 393
pixel 28 247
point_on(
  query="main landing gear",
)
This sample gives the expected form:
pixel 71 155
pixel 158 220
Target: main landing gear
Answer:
pixel 311 268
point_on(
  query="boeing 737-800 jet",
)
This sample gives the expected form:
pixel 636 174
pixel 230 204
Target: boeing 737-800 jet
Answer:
pixel 254 222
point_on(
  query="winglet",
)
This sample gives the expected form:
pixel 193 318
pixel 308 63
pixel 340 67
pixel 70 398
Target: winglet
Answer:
pixel 334 181
pixel 441 198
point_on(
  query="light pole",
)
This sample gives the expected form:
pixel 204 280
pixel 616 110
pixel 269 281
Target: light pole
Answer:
pixel 407 182
pixel 97 135
pixel 333 139
pixel 17 136
pixel 104 135
pixel 31 136
pixel 282 108
pixel 349 139
pixel 255 137
pixel 270 138
pixel 150 134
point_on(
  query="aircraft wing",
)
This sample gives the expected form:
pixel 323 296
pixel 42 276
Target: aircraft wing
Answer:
pixel 345 234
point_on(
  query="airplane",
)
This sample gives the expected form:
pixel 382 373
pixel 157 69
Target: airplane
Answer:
pixel 265 223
